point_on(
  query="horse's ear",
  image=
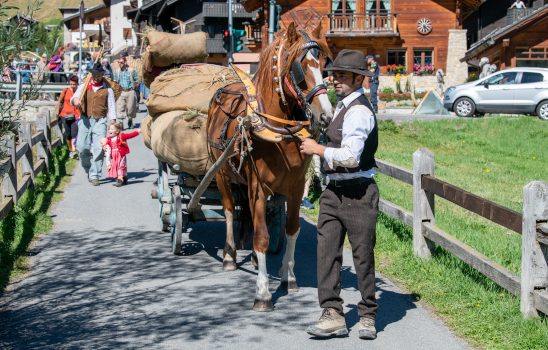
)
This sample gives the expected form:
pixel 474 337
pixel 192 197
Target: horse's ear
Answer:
pixel 317 32
pixel 292 33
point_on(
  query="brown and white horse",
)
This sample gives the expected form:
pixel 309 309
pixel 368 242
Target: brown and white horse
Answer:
pixel 272 167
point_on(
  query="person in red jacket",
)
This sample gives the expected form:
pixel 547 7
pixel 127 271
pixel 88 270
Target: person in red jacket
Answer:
pixel 117 143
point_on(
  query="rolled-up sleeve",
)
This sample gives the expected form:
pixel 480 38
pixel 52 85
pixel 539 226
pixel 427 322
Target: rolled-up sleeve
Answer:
pixel 77 93
pixel 357 126
pixel 111 102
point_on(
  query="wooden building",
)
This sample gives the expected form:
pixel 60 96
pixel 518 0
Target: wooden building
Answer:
pixel 413 33
pixel 523 42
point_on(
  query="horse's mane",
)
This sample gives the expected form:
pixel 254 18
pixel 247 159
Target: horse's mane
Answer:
pixel 265 74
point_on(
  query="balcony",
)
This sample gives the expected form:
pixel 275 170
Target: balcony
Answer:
pixel 362 24
pixel 215 46
pixel 220 9
pixel 514 15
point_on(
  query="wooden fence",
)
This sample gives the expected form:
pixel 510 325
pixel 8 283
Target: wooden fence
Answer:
pixel 12 190
pixel 532 225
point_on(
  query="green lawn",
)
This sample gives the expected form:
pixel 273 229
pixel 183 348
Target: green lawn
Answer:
pixel 493 158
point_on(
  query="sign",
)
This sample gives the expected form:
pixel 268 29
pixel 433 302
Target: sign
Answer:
pixel 82 9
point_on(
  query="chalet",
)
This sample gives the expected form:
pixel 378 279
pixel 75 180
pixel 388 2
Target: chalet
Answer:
pixel 517 39
pixel 21 20
pixel 415 34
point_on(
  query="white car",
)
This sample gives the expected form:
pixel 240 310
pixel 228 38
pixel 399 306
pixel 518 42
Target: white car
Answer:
pixel 515 90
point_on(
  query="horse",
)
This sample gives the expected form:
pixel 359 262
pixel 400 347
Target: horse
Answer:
pixel 289 82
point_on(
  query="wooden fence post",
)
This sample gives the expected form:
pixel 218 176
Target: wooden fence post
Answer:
pixel 423 203
pixel 9 183
pixel 25 135
pixel 42 148
pixel 534 266
pixel 46 115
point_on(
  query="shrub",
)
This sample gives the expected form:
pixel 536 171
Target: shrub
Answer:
pixel 472 77
pixel 332 97
pixel 387 90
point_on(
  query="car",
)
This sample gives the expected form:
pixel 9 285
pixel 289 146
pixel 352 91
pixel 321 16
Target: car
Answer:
pixel 515 90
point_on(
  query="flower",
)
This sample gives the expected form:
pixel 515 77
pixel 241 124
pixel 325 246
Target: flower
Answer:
pixel 501 294
pixel 487 170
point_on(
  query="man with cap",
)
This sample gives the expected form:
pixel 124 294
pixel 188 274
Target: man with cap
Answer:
pixel 98 105
pixel 39 75
pixel 350 203
pixel 373 81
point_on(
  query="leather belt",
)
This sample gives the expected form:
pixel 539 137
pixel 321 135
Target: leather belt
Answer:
pixel 349 182
pixel 126 90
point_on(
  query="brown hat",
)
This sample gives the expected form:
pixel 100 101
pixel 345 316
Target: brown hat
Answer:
pixel 351 61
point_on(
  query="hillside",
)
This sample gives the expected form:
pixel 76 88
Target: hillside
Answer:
pixel 49 9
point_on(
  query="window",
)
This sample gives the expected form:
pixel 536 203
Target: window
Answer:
pixel 396 57
pixel 126 9
pixel 529 77
pixel 343 6
pixel 127 34
pixel 423 57
pixel 503 78
pixel 532 57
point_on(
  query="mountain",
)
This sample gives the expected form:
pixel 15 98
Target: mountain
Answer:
pixel 48 12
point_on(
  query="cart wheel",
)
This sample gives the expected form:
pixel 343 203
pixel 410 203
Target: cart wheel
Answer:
pixel 176 220
pixel 276 228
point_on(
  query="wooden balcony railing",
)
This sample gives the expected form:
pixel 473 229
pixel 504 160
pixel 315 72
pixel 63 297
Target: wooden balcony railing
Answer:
pixel 515 15
pixel 362 24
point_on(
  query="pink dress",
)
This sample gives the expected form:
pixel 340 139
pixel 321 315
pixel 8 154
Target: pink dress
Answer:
pixel 118 163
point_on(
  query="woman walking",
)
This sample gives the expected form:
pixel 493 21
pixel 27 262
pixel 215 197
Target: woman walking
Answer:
pixel 69 115
pixel 56 65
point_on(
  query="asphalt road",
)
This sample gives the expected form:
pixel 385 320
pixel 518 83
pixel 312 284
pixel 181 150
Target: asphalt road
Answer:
pixel 105 278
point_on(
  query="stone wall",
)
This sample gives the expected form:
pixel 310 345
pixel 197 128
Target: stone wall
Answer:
pixel 457 71
pixel 422 83
pixel 33 108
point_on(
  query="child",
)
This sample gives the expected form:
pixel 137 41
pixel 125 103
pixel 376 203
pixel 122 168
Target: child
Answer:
pixel 117 143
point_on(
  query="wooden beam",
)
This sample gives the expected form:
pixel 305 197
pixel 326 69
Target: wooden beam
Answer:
pixel 541 301
pixel 395 171
pixel 56 143
pixel 39 136
pixel 21 150
pixel 396 212
pixel 25 182
pixel 5 207
pixel 492 211
pixel 40 164
pixel 487 267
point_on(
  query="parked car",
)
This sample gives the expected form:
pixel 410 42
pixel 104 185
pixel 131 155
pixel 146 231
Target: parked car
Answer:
pixel 515 90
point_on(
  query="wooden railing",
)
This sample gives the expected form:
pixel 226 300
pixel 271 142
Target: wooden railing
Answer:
pixel 362 24
pixel 516 14
pixel 12 190
pixel 532 286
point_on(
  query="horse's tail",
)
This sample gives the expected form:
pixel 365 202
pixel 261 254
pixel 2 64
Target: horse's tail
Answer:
pixel 245 225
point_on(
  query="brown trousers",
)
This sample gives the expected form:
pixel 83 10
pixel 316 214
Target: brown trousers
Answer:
pixel 351 210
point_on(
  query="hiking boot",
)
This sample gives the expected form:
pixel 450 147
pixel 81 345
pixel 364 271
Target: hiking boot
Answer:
pixel 94 182
pixel 129 123
pixel 305 204
pixel 367 328
pixel 330 323
pixel 118 183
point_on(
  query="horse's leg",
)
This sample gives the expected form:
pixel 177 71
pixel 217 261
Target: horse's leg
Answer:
pixel 261 239
pixel 292 229
pixel 229 251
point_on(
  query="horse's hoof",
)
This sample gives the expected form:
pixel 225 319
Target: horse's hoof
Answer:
pixel 254 259
pixel 289 286
pixel 263 306
pixel 229 265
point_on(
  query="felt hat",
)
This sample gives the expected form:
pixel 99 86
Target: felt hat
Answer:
pixel 350 61
pixel 97 69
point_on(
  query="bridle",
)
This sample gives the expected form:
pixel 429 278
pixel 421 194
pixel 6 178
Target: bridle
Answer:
pixel 297 76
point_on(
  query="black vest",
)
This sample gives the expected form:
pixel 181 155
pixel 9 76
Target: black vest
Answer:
pixel 334 139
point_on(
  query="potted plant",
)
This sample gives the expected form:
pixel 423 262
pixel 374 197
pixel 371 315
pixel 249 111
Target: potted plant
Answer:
pixel 427 69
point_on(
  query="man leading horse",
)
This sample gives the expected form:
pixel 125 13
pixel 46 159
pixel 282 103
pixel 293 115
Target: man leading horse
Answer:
pixel 350 203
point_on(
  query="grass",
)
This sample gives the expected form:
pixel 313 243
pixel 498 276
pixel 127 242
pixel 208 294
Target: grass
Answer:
pixel 30 218
pixel 49 10
pixel 493 158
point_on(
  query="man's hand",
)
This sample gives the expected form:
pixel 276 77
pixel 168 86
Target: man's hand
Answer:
pixel 311 147
pixel 76 102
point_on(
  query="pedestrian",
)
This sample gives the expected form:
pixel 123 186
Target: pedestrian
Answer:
pixel 517 4
pixel 98 105
pixel 69 115
pixel 41 67
pixel 56 65
pixel 373 81
pixel 350 203
pixel 128 78
pixel 143 92
pixel 118 147
pixel 73 71
pixel 107 68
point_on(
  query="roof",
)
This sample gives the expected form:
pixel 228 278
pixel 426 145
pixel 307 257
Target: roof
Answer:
pixel 134 15
pixel 88 10
pixel 489 40
pixel 25 17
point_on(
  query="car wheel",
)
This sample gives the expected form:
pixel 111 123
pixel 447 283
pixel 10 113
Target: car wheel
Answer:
pixel 464 107
pixel 542 110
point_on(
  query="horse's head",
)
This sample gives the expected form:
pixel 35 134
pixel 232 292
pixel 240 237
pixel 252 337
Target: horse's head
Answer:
pixel 295 60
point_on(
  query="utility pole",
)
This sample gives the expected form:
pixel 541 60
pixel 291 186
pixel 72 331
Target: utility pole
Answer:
pixel 80 47
pixel 230 31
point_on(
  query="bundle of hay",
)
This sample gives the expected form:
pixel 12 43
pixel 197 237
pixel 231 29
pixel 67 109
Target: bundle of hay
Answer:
pixel 190 87
pixel 180 137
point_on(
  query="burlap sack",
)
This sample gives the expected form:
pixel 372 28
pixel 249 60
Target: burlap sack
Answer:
pixel 188 88
pixel 146 124
pixel 168 49
pixel 180 137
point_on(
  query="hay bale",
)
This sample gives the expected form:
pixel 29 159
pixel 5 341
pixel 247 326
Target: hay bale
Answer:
pixel 180 137
pixel 167 49
pixel 188 88
pixel 146 124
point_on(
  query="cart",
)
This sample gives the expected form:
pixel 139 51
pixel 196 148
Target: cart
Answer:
pixel 174 199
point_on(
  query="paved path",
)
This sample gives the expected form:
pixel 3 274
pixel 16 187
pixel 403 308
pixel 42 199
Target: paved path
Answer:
pixel 105 278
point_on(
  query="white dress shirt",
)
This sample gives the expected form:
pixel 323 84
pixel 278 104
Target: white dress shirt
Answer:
pixel 357 125
pixel 111 101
